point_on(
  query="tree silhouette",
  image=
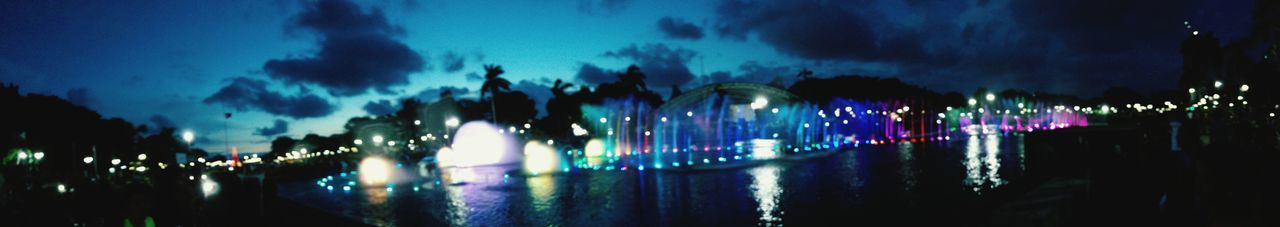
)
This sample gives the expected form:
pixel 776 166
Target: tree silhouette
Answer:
pixel 493 84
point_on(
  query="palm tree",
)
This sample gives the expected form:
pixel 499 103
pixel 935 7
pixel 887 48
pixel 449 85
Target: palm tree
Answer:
pixel 558 89
pixel 492 85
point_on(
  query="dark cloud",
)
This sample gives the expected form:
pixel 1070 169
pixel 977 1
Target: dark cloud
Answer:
pixel 752 72
pixel 818 30
pixel 453 62
pixel 358 51
pixel 474 77
pixel 604 7
pixel 679 29
pixel 160 121
pixel 593 75
pixel 664 66
pixel 381 107
pixel 252 94
pixel 538 90
pixel 432 94
pixel 279 127
pixel 79 96
pixel 756 72
pixel 960 45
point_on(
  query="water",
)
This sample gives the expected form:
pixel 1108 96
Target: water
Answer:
pixel 897 184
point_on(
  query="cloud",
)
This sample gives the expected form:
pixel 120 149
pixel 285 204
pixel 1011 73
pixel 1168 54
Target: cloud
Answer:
pixel 432 94
pixel 593 75
pixel 279 127
pixel 817 30
pixel 251 94
pixel 358 51
pixel 474 77
pixel 679 29
pixel 453 62
pixel 80 97
pixel 160 121
pixel 752 72
pixel 602 7
pixel 381 107
pixel 664 66
pixel 756 72
pixel 1047 46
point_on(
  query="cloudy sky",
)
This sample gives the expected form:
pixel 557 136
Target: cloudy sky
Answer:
pixel 298 67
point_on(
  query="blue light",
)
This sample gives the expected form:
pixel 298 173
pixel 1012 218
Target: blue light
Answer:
pixel 330 187
pixel 346 188
pixel 416 188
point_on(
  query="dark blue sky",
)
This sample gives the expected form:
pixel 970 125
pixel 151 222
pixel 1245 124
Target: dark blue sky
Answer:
pixel 298 67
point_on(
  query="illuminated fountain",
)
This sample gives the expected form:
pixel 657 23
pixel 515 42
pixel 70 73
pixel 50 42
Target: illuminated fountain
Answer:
pixel 708 126
pixel 732 123
pixel 478 143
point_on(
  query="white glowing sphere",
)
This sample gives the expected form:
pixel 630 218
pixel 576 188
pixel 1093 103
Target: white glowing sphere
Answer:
pixel 375 171
pixel 188 136
pixel 479 143
pixel 444 157
pixel 759 103
pixel 594 148
pixel 452 122
pixel 539 158
pixel 208 187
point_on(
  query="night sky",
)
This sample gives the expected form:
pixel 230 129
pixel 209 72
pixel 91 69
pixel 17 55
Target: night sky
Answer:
pixel 298 67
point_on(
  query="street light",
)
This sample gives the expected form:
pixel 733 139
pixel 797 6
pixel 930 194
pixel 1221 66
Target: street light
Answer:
pixel 1217 84
pixel 991 97
pixel 88 159
pixel 142 157
pixel 1244 87
pixel 115 161
pixel 452 122
pixel 188 136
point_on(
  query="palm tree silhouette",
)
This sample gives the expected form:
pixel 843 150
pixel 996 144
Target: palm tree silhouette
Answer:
pixel 492 85
pixel 558 89
pixel 633 79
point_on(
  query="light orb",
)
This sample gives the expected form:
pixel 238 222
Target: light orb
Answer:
pixel 375 171
pixel 594 148
pixel 478 143
pixel 539 158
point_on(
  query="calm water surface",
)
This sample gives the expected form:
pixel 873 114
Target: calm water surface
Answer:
pixel 899 184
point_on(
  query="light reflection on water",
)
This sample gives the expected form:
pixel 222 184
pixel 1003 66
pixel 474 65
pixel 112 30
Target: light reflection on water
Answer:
pixel 766 189
pixel 984 159
pixel 886 183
